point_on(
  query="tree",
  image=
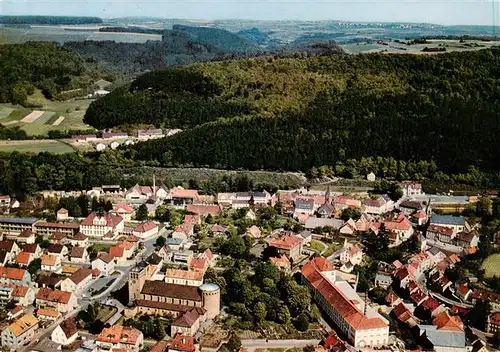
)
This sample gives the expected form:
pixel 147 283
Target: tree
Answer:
pixel 209 219
pixel 350 213
pixel 484 207
pixel 302 322
pixel 160 241
pixel 259 312
pixel 142 213
pixel 34 266
pixel 283 315
pixel 234 342
pixel 235 247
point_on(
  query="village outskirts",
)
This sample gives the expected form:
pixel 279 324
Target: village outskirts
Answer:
pixel 155 268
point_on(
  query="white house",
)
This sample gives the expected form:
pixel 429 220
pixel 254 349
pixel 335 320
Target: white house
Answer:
pixel 104 263
pixel 80 240
pixel 124 210
pixel 79 255
pixel 145 230
pixel 51 262
pixel 19 332
pixel 100 147
pixel 370 177
pixel 120 337
pixel 114 145
pixel 100 225
pixel 62 214
pixel 65 333
pixel 77 281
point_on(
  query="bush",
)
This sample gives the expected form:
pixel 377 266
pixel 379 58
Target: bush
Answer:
pixel 302 322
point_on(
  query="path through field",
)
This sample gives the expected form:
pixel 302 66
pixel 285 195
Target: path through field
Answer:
pixel 30 118
pixel 58 121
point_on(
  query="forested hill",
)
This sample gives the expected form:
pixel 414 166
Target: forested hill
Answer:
pixel 179 46
pixel 47 66
pixel 306 112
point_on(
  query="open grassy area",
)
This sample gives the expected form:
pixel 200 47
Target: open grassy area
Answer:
pixel 72 110
pixel 35 146
pixel 317 246
pixel 492 265
pixel 105 312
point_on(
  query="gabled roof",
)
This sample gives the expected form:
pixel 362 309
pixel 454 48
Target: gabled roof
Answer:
pixel 448 220
pixel 119 334
pixel 56 296
pixel 286 242
pixel 26 234
pixel 77 252
pixel 146 226
pixel 182 343
pixel 7 245
pixel 198 264
pixel 110 219
pixel 31 248
pixel 188 319
pixel 105 257
pixel 159 288
pixel 69 327
pixel 79 237
pixel 23 324
pixel 12 273
pixel 445 321
pixel 442 230
pixel 23 258
pixel 184 274
pixel 56 248
pixel 116 252
pixel 123 209
pixel 80 275
pixel 49 260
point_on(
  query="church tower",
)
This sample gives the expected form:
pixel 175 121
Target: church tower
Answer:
pixel 137 276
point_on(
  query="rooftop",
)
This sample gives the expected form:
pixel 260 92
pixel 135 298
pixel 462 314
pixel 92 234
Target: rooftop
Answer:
pixel 23 324
pixel 184 274
pixel 162 289
pixel 448 220
pixel 286 242
pixel 119 334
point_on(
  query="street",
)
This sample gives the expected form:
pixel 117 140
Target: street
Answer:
pixel 253 344
pixel 149 246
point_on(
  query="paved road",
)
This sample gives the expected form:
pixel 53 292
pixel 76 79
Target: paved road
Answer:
pixel 149 246
pixel 278 343
pixel 449 301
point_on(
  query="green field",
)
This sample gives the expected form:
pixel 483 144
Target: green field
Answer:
pixel 72 110
pixel 492 265
pixel 35 146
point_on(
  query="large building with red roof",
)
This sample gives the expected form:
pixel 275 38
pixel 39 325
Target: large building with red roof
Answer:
pixel 102 225
pixel 289 245
pixel 359 323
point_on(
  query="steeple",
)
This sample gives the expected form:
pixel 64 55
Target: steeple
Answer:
pixel 327 195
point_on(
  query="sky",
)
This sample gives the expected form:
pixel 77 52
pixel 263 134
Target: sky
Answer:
pixel 448 12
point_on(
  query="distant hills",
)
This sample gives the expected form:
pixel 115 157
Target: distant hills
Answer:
pixel 49 20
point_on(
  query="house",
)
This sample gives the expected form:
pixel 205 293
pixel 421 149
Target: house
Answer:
pixel 5 203
pixel 439 233
pixel 84 138
pixel 14 276
pixel 114 135
pixel 47 345
pixel 304 206
pixel 361 324
pixel 100 147
pixel 349 228
pixel 181 343
pixel 464 291
pixel 179 197
pixel 120 337
pixel 351 254
pixel 34 249
pixel 165 252
pixel 22 295
pixel 104 263
pixel 21 331
pixel 145 230
pixel 10 247
pixel 183 231
pixel 306 237
pixel 23 259
pixel 198 264
pixel 80 240
pixel 342 202
pixel 63 301
pixel 98 225
pixel 493 323
pixel 254 232
pixel 189 323
pixel 467 240
pixel 77 281
pixel 288 245
pixel 371 177
pixel 382 280
pixel 59 238
pixel 150 134
pixel 412 189
pixel 282 263
pixel 375 206
pixel 445 334
pixel 62 214
pixel 184 277
pixel 79 255
pixel 404 314
pixel 49 315
pixel 327 210
pixel 119 255
pixel 26 236
pixel 218 229
pixel 493 298
pixel 401 226
pixel 51 262
pixel 124 210
pixel 419 218
pixel 408 207
pixel 58 249
pixel 456 223
pixel 65 333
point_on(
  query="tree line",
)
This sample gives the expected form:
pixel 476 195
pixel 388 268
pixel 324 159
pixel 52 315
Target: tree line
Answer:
pixel 442 108
pixel 48 20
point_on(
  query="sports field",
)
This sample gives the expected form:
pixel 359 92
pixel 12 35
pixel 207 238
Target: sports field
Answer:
pixel 35 146
pixel 492 265
pixel 50 115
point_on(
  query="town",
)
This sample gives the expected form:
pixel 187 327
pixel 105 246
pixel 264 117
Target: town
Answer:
pixel 156 269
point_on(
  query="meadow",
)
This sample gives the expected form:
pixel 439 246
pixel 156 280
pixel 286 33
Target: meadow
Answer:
pixel 492 265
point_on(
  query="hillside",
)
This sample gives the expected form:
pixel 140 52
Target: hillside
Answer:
pixel 47 66
pixel 179 46
pixel 299 113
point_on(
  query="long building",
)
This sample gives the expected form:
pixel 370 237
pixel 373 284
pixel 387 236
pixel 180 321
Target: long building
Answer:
pixel 15 226
pixel 360 323
pixel 47 229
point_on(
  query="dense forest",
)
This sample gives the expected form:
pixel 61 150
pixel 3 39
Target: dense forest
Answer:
pixel 300 113
pixel 179 46
pixel 49 20
pixel 46 66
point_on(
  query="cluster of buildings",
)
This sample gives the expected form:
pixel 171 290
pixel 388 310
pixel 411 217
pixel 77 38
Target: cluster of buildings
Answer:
pixel 113 140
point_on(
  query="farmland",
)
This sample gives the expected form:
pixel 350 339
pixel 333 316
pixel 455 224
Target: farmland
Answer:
pixel 47 116
pixel 492 265
pixel 36 146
